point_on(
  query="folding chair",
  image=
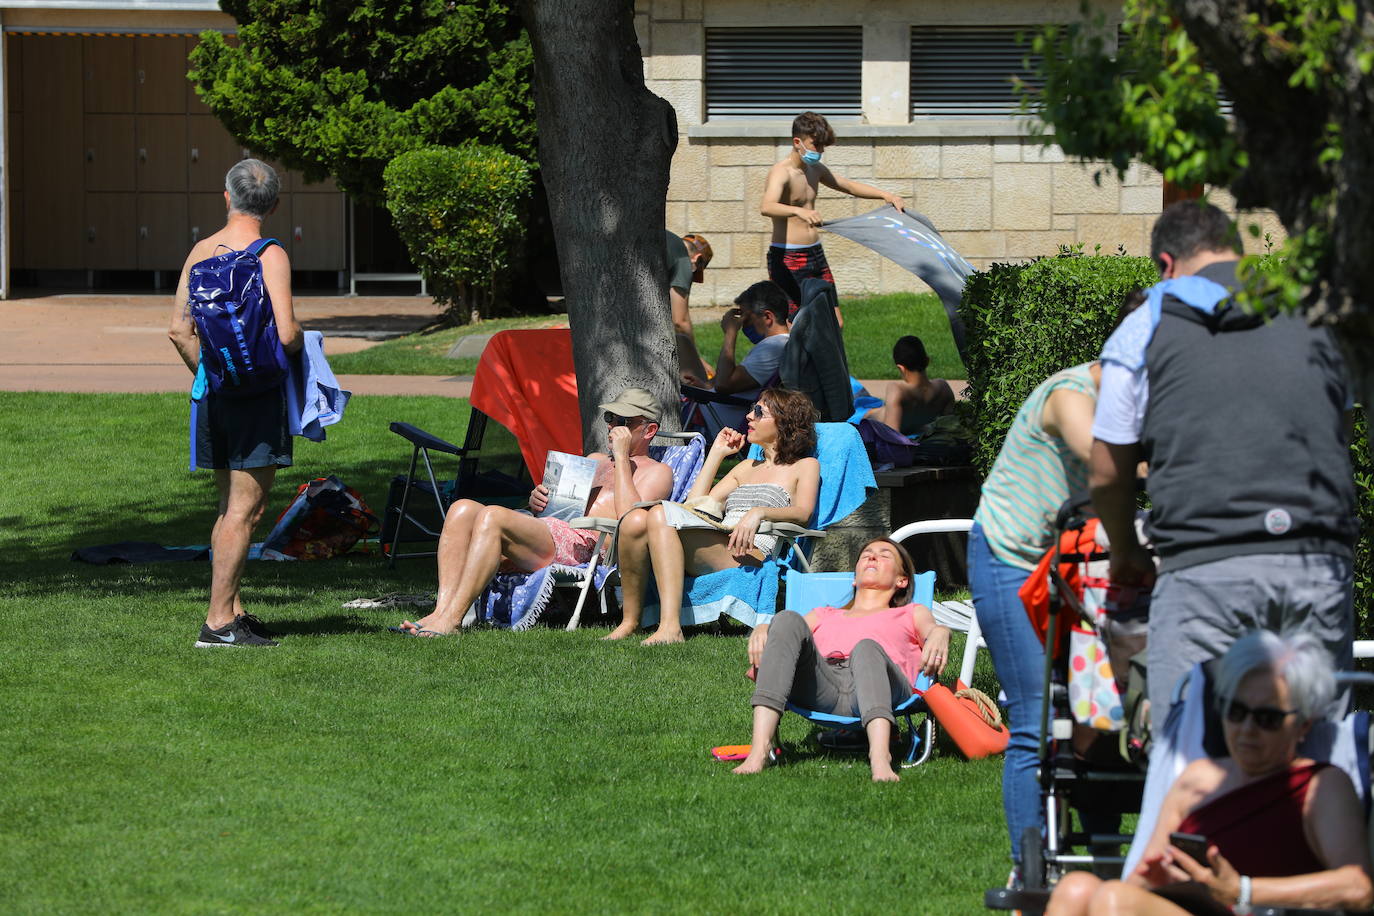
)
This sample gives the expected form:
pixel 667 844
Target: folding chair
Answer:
pixel 806 591
pixel 749 593
pixel 518 600
pixel 526 384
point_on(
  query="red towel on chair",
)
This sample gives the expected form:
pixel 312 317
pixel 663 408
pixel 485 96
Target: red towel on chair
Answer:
pixel 525 382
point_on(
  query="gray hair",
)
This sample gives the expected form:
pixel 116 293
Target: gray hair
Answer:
pixel 1297 657
pixel 252 185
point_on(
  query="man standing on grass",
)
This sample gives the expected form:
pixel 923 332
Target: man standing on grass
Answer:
pixel 244 439
pixel 789 200
pixel 1240 416
pixel 688 257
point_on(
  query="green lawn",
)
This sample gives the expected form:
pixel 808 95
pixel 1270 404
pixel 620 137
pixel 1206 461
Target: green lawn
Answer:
pixel 872 326
pixel 351 769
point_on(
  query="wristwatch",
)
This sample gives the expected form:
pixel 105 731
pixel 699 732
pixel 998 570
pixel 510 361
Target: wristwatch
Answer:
pixel 1242 907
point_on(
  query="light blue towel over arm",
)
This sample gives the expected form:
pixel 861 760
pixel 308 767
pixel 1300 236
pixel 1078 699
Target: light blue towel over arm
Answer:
pixel 314 399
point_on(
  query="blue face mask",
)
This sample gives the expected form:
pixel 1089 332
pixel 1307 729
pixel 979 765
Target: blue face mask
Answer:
pixel 811 156
pixel 751 334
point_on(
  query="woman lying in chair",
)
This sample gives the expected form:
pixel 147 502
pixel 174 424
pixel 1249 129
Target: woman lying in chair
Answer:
pixel 673 542
pixel 1280 830
pixel 856 660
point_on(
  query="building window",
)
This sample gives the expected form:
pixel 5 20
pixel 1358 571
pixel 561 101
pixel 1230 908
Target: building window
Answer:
pixel 968 71
pixel 777 73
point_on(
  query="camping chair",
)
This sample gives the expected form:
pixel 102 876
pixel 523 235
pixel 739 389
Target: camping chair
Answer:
pixel 957 615
pixel 806 591
pixel 750 593
pixel 525 382
pixel 517 600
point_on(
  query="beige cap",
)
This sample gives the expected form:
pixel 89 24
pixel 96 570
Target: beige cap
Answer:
pixel 635 402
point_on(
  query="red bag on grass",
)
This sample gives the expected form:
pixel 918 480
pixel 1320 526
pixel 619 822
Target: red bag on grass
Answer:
pixel 325 519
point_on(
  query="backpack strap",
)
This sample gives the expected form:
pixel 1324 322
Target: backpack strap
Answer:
pixel 257 248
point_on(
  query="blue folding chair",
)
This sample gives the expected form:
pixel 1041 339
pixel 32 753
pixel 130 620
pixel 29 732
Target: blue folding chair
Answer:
pixel 812 590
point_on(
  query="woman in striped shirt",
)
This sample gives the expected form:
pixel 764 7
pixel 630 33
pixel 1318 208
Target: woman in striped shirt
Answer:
pixel 1043 460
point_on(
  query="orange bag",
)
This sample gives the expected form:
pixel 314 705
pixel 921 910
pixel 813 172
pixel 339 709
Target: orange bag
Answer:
pixel 970 718
pixel 1035 591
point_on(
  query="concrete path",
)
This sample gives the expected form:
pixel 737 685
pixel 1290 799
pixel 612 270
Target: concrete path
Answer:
pixel 118 343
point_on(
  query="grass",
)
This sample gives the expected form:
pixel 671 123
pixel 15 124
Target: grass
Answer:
pixel 350 769
pixel 425 352
pixel 872 326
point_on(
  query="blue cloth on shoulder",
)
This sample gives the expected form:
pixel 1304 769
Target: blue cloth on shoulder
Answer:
pixel 1128 342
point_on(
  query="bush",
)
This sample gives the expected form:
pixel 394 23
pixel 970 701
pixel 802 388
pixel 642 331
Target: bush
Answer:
pixel 459 211
pixel 1025 322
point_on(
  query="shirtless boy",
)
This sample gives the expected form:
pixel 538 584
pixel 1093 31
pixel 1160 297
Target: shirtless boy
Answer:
pixel 789 200
pixel 479 541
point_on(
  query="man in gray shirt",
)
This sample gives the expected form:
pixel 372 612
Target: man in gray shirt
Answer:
pixel 1240 417
pixel 761 311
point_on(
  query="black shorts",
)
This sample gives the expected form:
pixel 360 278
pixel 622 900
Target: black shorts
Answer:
pixel 240 433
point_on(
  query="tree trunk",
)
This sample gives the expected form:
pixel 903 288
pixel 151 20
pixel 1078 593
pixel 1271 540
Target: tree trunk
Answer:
pixel 605 146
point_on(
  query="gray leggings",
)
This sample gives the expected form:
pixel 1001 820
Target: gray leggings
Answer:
pixel 868 683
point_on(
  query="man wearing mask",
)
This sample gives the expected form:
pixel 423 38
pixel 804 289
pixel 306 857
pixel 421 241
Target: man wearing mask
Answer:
pixel 789 200
pixel 761 313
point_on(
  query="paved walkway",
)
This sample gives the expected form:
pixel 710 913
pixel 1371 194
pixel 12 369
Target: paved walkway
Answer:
pixel 118 343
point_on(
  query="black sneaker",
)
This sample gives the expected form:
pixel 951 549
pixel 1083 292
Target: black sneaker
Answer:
pixel 256 625
pixel 237 633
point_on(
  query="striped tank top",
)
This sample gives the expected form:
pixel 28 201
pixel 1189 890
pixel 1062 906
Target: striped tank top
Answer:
pixel 1032 476
pixel 748 496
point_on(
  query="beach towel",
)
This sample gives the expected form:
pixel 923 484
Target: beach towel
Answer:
pixel 525 382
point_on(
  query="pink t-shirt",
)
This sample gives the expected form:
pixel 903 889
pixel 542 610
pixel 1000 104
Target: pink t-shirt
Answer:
pixel 836 635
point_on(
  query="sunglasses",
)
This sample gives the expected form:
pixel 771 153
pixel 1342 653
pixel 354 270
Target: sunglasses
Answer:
pixel 757 412
pixel 614 420
pixel 1268 718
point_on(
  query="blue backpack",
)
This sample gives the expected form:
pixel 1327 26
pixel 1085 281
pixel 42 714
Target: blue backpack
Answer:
pixel 239 347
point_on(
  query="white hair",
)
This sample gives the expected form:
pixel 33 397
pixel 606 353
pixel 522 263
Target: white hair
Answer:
pixel 253 186
pixel 1296 656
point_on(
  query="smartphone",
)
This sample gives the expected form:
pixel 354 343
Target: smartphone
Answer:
pixel 1192 844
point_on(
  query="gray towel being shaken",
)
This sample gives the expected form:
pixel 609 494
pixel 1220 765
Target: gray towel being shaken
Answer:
pixel 911 241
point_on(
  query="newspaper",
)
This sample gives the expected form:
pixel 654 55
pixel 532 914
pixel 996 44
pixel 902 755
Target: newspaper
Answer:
pixel 569 481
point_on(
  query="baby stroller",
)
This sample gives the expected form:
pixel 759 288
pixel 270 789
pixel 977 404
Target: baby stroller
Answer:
pixel 1092 726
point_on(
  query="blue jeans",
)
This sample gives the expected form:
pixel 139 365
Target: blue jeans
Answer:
pixel 1019 658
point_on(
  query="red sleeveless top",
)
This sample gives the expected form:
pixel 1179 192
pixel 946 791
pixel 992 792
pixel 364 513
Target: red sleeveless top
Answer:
pixel 1258 827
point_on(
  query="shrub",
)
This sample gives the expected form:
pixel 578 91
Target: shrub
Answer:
pixel 1025 322
pixel 458 210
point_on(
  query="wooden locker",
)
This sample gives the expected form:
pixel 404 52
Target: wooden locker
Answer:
pixel 278 225
pixel 317 231
pixel 15 230
pixel 109 152
pixel 14 150
pixel 110 232
pixel 108 74
pixel 162 155
pixel 160 75
pixel 54 212
pixel 212 153
pixel 207 216
pixel 14 71
pixel 164 236
pixel 194 106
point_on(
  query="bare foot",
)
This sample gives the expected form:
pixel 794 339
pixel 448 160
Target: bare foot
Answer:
pixel 622 631
pixel 665 637
pixel 882 770
pixel 754 763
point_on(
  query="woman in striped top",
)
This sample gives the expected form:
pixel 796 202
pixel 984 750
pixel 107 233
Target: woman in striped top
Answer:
pixel 780 488
pixel 1043 460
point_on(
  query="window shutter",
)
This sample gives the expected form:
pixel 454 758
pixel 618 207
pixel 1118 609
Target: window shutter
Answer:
pixel 966 71
pixel 777 73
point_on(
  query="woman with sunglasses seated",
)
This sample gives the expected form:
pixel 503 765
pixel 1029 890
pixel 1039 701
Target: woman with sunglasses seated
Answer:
pixel 1280 829
pixel 671 542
